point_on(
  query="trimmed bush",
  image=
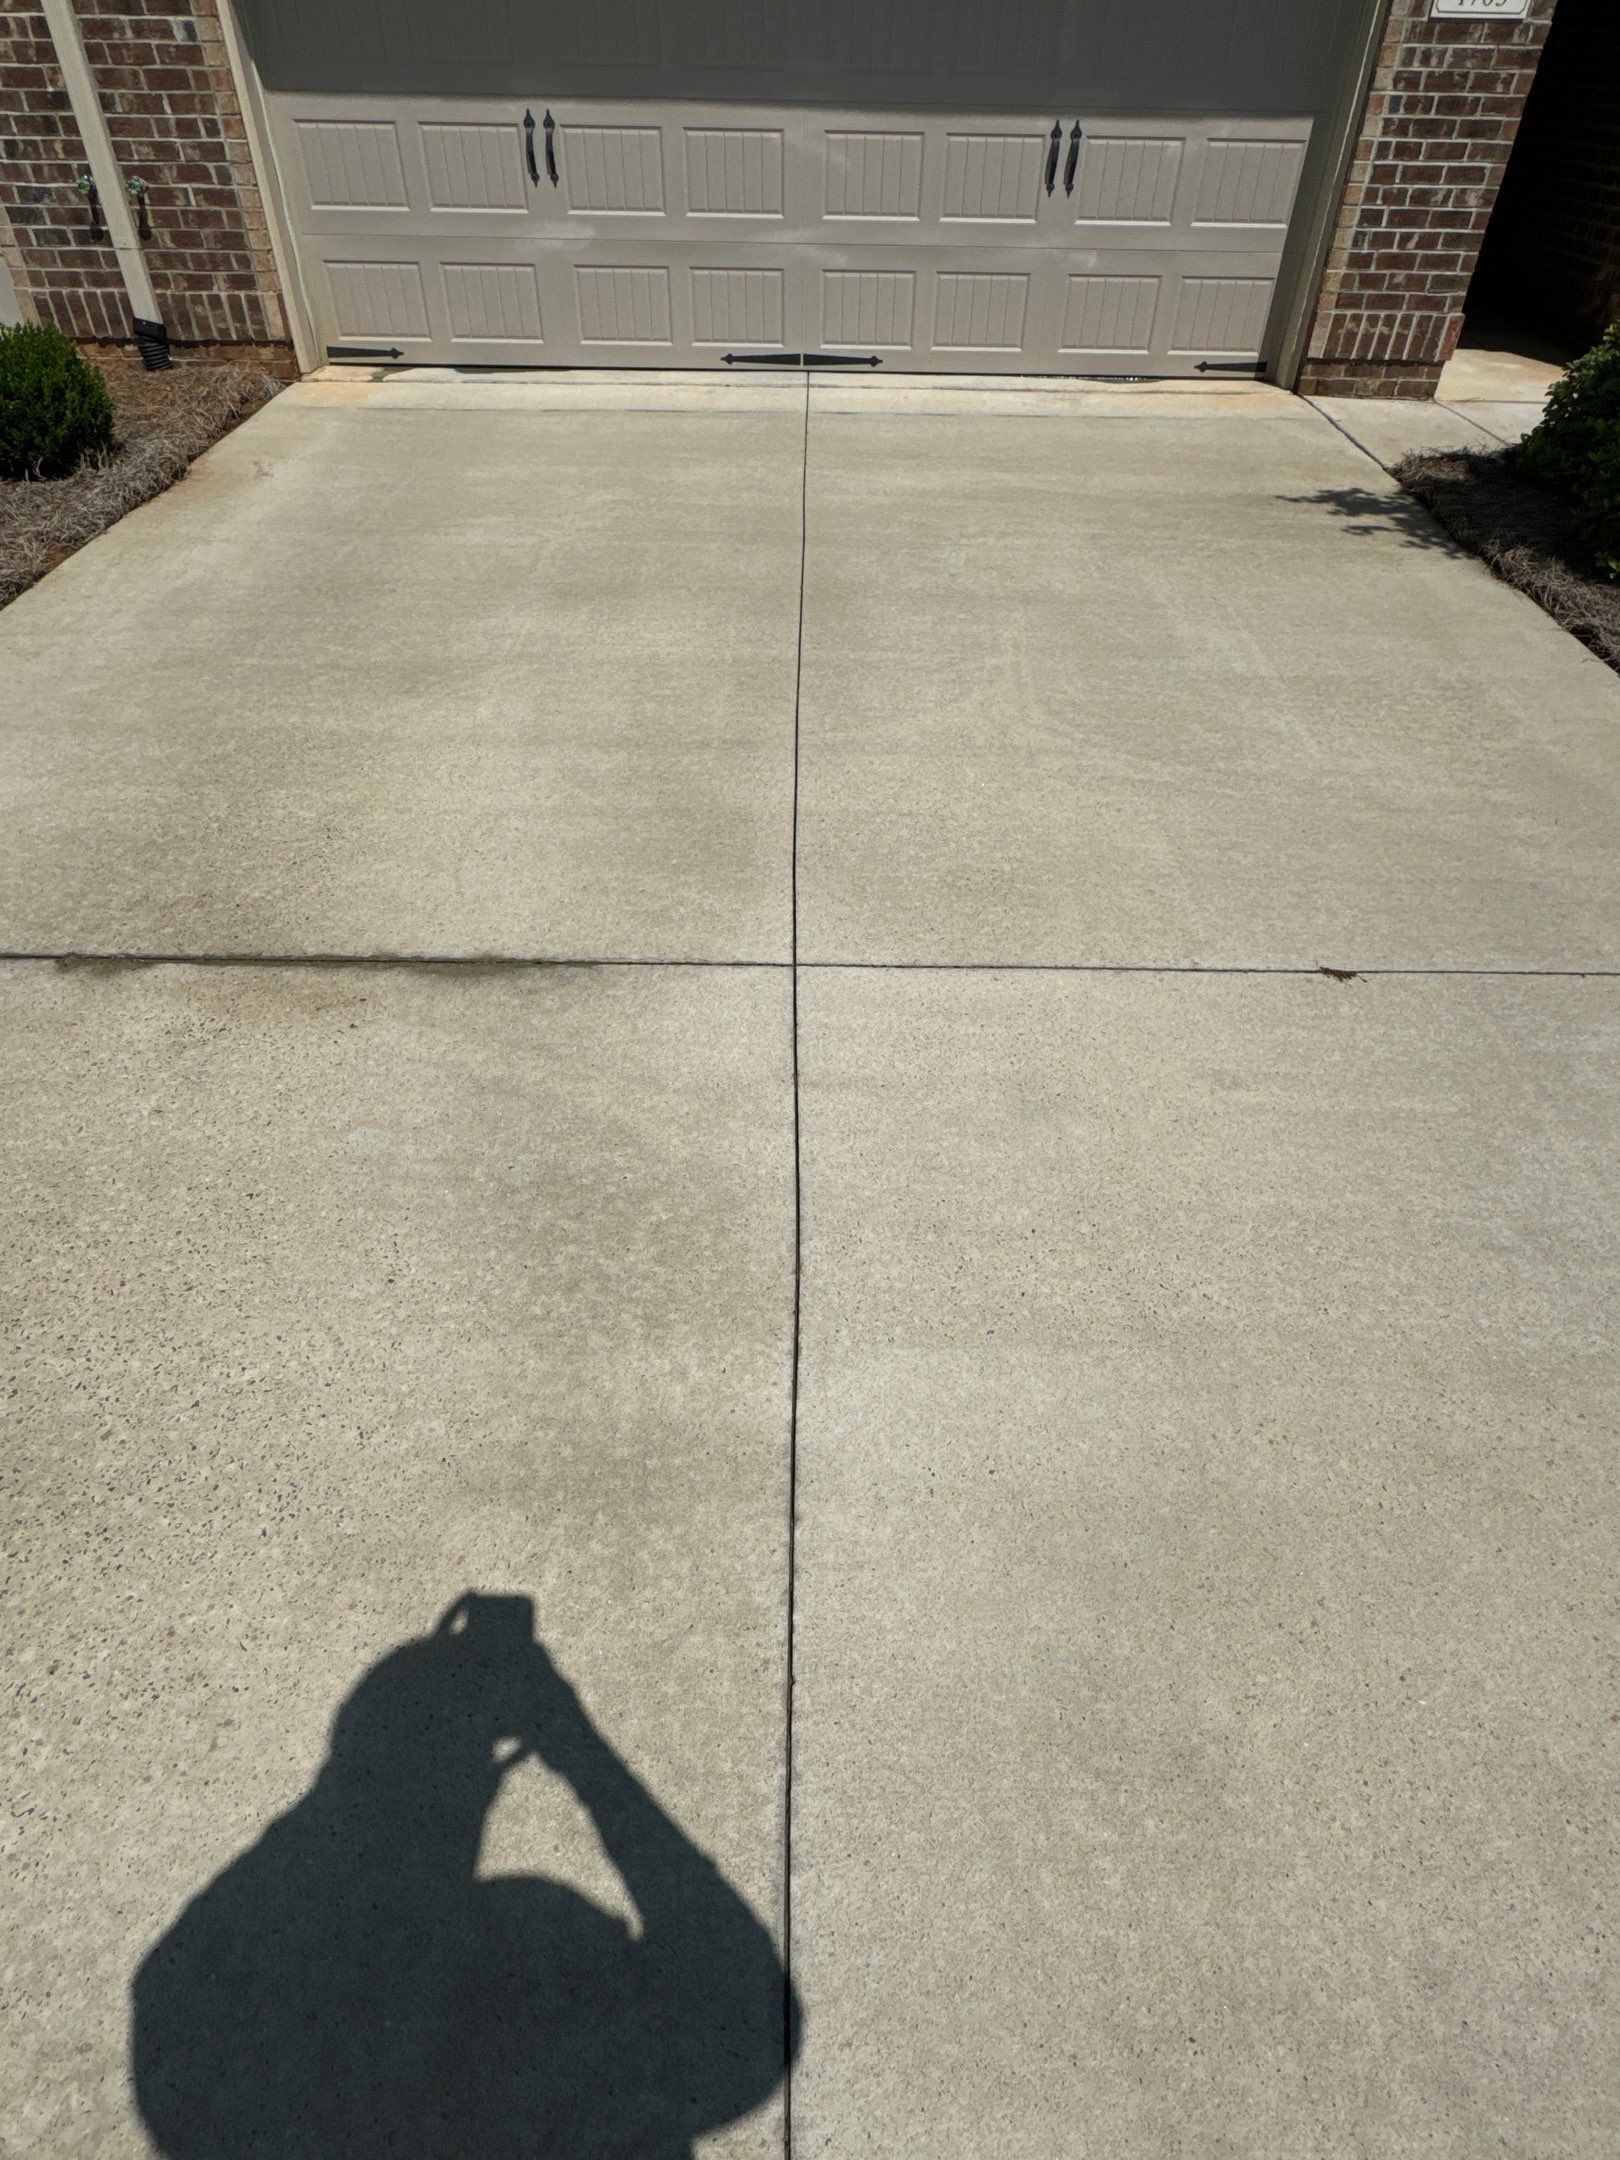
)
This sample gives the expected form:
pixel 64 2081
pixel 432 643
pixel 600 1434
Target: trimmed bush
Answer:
pixel 1597 501
pixel 54 407
pixel 1576 449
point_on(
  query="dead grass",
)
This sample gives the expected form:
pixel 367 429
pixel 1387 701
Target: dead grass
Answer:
pixel 164 421
pixel 1524 533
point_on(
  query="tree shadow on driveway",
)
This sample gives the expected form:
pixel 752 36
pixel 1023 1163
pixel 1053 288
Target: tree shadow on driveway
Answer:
pixel 1368 513
pixel 351 1987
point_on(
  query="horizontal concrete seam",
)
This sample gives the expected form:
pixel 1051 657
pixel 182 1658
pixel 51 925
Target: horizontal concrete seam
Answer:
pixel 723 411
pixel 496 963
pixel 718 408
pixel 553 412
pixel 481 963
pixel 1292 968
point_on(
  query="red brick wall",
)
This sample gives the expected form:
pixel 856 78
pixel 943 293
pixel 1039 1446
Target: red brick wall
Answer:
pixel 1551 259
pixel 1440 120
pixel 166 89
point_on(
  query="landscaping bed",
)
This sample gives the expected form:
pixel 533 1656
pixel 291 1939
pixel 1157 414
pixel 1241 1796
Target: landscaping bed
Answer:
pixel 1524 532
pixel 162 421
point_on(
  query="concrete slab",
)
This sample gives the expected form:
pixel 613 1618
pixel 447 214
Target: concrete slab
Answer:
pixel 1508 422
pixel 1203 1726
pixel 445 682
pixel 1391 428
pixel 1187 693
pixel 339 1293
pixel 1479 371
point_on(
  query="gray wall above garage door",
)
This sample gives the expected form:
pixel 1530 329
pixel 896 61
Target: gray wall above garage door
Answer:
pixel 1257 57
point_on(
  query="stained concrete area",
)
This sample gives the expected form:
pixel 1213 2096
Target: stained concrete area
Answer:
pixel 338 1294
pixel 933 1501
pixel 422 679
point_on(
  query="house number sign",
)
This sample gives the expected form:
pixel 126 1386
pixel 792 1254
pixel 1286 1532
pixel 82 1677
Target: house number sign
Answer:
pixel 1485 10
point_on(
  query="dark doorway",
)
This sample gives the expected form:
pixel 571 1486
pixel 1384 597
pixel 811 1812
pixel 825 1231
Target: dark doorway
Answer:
pixel 351 1986
pixel 1549 269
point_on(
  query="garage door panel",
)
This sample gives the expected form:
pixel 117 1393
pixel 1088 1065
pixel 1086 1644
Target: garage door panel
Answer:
pixel 1195 184
pixel 612 171
pixel 1147 312
pixel 1248 182
pixel 872 175
pixel 1109 317
pixel 935 309
pixel 625 305
pixel 421 171
pixel 676 234
pixel 949 177
pixel 618 305
pixel 480 303
pixel 375 300
pixel 1127 176
pixel 981 312
pixel 709 166
pixel 1220 315
pixel 735 172
pixel 352 164
pixel 493 303
pixel 738 307
pixel 474 165
pixel 866 310
pixel 992 176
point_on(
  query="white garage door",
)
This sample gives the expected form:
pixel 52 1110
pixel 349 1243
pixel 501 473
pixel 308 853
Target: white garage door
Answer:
pixel 489 232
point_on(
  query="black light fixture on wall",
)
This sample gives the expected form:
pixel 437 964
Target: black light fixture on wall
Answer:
pixel 99 236
pixel 136 191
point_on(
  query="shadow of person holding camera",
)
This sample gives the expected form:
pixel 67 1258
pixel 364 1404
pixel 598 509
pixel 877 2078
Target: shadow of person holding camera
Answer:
pixel 351 1986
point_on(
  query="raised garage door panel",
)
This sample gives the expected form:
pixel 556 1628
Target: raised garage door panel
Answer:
pixel 677 234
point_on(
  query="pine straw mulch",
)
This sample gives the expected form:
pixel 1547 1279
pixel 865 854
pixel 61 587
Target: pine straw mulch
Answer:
pixel 164 421
pixel 1524 533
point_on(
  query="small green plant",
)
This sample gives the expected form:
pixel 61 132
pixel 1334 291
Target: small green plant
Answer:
pixel 54 407
pixel 1576 448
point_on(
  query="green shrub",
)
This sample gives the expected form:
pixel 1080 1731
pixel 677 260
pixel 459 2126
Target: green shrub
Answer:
pixel 1576 448
pixel 1583 405
pixel 54 407
pixel 1597 500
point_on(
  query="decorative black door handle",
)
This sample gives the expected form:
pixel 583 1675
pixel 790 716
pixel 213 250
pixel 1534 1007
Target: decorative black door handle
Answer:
pixel 1071 165
pixel 1053 149
pixel 551 149
pixel 528 149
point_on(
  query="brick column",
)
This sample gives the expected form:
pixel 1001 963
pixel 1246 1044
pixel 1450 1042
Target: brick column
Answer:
pixel 165 86
pixel 1440 120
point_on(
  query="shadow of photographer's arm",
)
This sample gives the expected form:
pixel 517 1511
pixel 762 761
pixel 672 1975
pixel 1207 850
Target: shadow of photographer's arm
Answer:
pixel 711 1963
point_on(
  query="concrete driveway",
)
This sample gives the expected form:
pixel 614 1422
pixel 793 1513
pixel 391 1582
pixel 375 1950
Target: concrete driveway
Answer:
pixel 1028 1291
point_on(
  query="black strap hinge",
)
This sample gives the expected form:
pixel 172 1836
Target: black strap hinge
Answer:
pixel 801 359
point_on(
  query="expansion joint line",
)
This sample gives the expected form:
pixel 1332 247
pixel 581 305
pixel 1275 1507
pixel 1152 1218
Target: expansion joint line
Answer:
pixel 789 2018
